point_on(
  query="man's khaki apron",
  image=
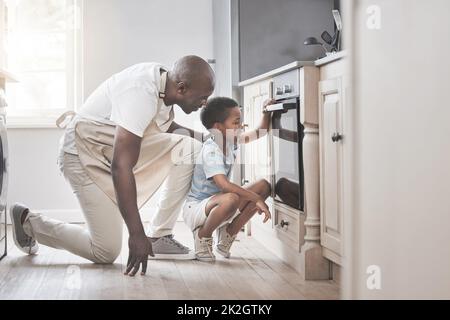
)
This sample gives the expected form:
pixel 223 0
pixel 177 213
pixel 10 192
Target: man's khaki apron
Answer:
pixel 94 141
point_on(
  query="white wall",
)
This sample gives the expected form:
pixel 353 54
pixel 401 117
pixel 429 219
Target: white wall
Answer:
pixel 222 46
pixel 117 34
pixel 34 178
pixel 401 210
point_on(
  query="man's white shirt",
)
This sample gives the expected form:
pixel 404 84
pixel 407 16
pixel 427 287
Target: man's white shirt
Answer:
pixel 129 99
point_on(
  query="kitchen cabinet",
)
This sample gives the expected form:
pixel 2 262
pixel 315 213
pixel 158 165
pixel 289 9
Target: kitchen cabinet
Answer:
pixel 256 153
pixel 331 164
pixel 292 234
pixel 332 142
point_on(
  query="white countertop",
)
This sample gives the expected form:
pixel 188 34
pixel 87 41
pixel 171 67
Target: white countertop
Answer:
pixel 330 58
pixel 294 65
pixel 288 67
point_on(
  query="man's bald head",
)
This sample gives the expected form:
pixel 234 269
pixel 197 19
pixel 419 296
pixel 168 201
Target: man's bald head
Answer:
pixel 190 83
pixel 194 72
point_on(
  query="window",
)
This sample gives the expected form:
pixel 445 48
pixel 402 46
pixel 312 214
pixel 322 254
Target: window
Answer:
pixel 41 46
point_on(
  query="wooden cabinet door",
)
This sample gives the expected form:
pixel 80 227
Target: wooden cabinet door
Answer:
pixel 330 124
pixel 256 153
pixel 257 161
pixel 250 92
pixel 261 160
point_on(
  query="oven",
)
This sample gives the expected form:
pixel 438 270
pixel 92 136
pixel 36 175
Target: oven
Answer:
pixel 3 184
pixel 286 137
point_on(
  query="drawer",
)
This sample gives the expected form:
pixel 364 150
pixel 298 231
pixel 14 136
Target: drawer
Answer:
pixel 287 227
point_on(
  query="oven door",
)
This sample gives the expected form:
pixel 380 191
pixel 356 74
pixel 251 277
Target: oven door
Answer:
pixel 3 184
pixel 286 139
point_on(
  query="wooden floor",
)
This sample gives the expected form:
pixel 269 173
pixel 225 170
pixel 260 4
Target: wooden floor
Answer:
pixel 252 273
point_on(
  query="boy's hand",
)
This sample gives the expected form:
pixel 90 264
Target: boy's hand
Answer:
pixel 262 207
pixel 266 103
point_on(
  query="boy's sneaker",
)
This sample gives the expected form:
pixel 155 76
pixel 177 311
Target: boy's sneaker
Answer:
pixel 224 241
pixel 23 241
pixel 203 248
pixel 167 248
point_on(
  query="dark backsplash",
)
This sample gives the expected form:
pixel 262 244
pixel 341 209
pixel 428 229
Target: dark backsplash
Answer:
pixel 271 32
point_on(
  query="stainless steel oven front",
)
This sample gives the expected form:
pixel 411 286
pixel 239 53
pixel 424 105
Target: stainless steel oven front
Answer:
pixel 286 137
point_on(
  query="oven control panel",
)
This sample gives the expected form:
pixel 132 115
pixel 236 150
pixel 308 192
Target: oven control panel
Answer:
pixel 286 85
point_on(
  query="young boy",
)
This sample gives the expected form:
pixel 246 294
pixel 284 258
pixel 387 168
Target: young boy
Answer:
pixel 213 201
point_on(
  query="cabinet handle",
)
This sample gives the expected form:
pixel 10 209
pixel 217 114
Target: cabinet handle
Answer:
pixel 245 181
pixel 336 137
pixel 284 223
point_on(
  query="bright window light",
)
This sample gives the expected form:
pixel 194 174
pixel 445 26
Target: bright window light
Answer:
pixel 41 47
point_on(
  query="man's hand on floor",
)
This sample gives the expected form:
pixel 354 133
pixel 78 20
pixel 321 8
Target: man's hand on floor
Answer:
pixel 139 249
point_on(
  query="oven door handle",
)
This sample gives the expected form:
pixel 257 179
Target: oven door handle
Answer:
pixel 280 107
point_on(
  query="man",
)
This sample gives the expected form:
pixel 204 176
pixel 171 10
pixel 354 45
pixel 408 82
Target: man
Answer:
pixel 116 153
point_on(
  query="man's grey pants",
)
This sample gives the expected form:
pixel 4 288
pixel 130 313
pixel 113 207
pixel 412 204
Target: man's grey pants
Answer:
pixel 101 241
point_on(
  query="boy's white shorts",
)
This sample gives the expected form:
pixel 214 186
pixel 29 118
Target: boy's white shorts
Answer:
pixel 194 214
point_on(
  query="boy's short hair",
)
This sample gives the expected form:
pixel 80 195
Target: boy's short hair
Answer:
pixel 216 110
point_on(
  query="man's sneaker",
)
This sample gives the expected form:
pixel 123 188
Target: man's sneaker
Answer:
pixel 168 248
pixel 203 248
pixel 23 241
pixel 224 241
